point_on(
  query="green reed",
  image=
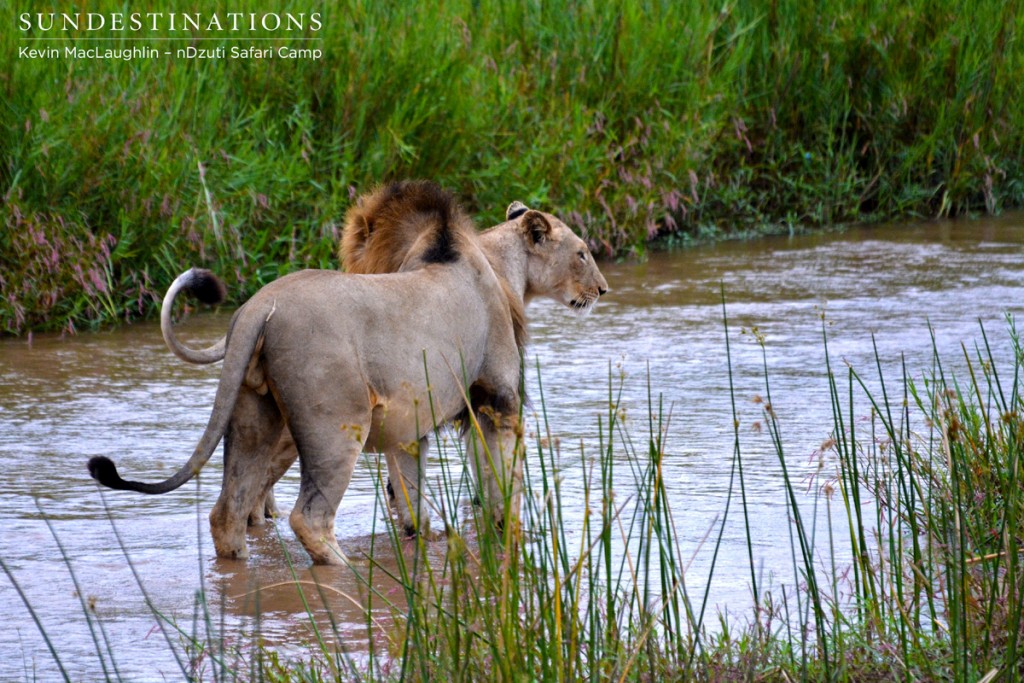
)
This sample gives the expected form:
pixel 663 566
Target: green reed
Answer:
pixel 923 473
pixel 634 120
pixel 937 575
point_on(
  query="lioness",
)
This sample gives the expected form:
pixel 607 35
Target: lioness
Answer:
pixel 344 360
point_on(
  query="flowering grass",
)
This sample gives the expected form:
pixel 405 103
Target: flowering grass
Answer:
pixel 635 121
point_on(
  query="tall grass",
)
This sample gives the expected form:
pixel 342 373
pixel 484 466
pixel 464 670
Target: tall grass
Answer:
pixel 948 572
pixel 923 473
pixel 632 119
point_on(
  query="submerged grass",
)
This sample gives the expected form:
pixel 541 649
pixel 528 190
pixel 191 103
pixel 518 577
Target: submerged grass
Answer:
pixel 634 120
pixel 926 585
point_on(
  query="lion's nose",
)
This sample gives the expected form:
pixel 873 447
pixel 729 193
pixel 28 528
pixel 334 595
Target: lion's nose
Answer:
pixel 601 291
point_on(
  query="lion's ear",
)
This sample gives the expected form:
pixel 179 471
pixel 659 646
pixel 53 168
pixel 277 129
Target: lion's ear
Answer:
pixel 515 210
pixel 536 226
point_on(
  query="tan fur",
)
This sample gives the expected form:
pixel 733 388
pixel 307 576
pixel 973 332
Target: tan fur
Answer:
pixel 377 238
pixel 347 341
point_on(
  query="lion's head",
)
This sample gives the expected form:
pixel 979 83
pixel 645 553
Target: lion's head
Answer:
pixel 559 264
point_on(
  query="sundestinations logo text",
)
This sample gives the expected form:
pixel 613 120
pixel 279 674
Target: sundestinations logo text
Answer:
pixel 138 22
pixel 153 35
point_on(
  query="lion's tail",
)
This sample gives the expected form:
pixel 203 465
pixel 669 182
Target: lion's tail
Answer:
pixel 207 287
pixel 244 341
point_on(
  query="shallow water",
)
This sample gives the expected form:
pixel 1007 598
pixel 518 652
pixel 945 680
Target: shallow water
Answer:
pixel 123 394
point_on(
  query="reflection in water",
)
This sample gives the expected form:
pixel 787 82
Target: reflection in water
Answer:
pixel 271 590
pixel 122 394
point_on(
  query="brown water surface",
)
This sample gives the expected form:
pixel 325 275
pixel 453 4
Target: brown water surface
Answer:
pixel 124 395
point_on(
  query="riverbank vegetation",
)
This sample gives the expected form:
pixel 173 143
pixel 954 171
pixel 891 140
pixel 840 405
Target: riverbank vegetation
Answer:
pixel 633 120
pixel 905 554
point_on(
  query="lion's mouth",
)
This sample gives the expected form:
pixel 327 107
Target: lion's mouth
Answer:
pixel 584 303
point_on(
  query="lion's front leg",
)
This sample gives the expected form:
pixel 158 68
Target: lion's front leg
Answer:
pixel 496 458
pixel 406 468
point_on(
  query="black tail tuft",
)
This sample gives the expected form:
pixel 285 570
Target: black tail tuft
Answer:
pixel 104 471
pixel 206 287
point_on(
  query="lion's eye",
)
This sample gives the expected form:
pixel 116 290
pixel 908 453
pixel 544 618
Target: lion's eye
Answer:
pixel 583 255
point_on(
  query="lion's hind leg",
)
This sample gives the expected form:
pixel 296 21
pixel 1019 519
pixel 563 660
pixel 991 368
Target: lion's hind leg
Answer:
pixel 281 458
pixel 253 434
pixel 328 449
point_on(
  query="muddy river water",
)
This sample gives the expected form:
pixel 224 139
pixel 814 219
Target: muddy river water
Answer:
pixel 124 395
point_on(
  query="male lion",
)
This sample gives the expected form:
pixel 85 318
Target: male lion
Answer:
pixel 344 361
pixel 380 230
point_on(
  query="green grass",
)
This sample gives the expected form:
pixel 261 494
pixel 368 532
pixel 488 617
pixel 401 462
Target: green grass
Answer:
pixel 926 585
pixel 633 120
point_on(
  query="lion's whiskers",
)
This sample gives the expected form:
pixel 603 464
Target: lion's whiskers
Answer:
pixel 583 304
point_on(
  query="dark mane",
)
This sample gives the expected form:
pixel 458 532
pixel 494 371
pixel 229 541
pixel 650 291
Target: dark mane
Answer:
pixel 438 209
pixel 410 218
